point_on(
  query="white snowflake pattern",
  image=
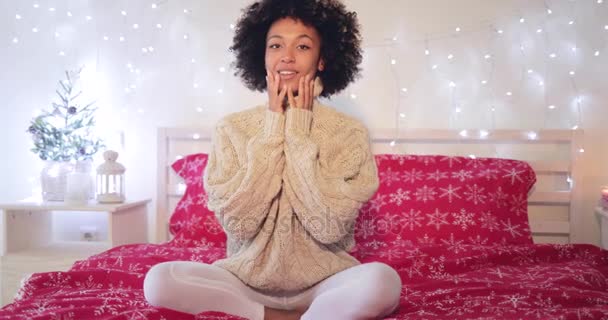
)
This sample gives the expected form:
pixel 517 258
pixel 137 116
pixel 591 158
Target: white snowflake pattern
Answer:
pixel 426 240
pixel 513 174
pixel 463 219
pixel 515 300
pixel 389 176
pixel 412 176
pixel 499 197
pixel 375 244
pixel 519 204
pixel 411 219
pixel 488 221
pixel 376 203
pixel 195 165
pixel 399 196
pixel 462 175
pixel 454 245
pixel 366 228
pixel 488 173
pixel 185 203
pixel 450 192
pixel 437 219
pixel 437 175
pixel 511 228
pixel 425 193
pixel 475 194
pixel 391 253
pixel 89 284
pixel 451 160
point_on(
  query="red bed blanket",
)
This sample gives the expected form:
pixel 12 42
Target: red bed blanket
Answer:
pixel 456 229
pixel 455 281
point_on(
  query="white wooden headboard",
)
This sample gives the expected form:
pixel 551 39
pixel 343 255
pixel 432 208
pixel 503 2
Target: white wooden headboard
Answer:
pixel 555 207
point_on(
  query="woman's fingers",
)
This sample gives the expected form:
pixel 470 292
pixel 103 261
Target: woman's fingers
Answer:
pixel 292 100
pixel 282 93
pixel 307 95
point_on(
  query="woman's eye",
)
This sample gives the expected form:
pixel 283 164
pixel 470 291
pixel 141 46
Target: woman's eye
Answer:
pixel 273 46
pixel 305 47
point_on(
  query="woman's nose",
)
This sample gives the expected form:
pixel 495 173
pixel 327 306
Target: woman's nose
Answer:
pixel 287 57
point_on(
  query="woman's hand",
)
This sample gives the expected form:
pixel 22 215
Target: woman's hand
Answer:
pixel 275 98
pixel 305 97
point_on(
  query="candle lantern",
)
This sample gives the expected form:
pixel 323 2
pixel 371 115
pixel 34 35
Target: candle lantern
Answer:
pixel 110 179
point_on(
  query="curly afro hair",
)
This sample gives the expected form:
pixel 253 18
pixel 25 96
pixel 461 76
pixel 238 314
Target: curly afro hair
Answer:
pixel 337 27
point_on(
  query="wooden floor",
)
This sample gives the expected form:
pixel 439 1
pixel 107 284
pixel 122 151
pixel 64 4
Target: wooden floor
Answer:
pixel 59 257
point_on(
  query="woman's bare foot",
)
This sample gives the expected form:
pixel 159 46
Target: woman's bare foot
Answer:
pixel 275 314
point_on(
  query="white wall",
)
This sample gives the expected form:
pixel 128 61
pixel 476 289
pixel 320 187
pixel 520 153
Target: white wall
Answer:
pixel 165 93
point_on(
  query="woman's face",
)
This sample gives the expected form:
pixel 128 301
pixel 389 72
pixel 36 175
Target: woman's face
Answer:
pixel 292 51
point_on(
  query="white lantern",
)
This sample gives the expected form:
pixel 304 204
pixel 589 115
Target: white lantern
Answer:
pixel 110 179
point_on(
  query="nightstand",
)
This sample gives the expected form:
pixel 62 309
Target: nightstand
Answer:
pixel 603 216
pixel 28 242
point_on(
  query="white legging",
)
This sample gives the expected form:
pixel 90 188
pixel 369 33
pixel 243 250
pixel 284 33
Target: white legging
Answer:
pixel 366 291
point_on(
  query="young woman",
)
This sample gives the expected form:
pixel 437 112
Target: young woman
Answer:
pixel 286 181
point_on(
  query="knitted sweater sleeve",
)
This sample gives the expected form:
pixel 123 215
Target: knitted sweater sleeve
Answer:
pixel 243 175
pixel 327 191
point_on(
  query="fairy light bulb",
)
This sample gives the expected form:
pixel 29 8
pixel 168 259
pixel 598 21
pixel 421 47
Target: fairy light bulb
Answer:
pixel 36 6
pixel 18 17
pixel 402 115
pixel 571 22
pixel 89 18
pixel 121 39
pixel 196 136
pixel 404 90
pixel 484 81
pixel 581 150
pixel 69 14
pixel 530 70
pixel 185 37
pixel 427 52
pixel 509 93
pixel 222 69
pixel 186 11
pixel 551 107
pixel 597 53
pixel 552 55
pixel 483 133
pixel 434 67
pixel 541 83
pixel 457 29
pixel 487 56
pixel 135 26
pixel 159 26
pixel 106 38
pixel 499 31
pixel 15 40
pixel 34 30
pixel 572 73
pixel 539 30
pixel 353 96
pixel 199 109
pixel 450 56
pixel 452 84
pixel 232 26
pixel 549 11
pixel 463 133
pixel 575 127
pixel 522 20
pixel 532 135
pixel 154 6
pixel 392 143
pixel 124 13
pixel 393 61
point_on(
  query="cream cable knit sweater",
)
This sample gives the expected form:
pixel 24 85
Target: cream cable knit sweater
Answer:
pixel 287 189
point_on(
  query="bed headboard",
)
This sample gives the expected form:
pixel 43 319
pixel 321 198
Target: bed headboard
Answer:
pixel 555 205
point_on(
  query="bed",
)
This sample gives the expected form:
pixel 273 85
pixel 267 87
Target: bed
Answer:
pixel 479 225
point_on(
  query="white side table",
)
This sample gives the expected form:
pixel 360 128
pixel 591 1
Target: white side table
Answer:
pixel 603 216
pixel 28 225
pixel 27 244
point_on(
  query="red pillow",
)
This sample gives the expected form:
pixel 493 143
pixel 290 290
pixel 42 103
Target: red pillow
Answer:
pixel 192 223
pixel 433 199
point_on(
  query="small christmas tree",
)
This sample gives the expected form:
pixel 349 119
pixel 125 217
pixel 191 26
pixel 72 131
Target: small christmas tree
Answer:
pixel 65 133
